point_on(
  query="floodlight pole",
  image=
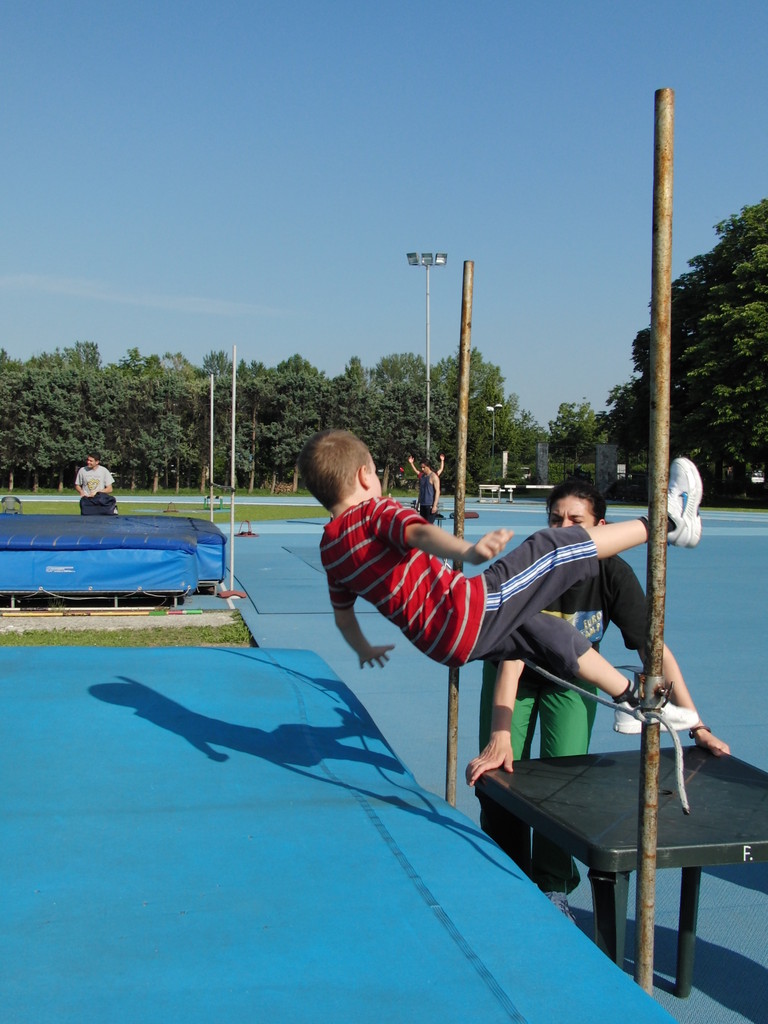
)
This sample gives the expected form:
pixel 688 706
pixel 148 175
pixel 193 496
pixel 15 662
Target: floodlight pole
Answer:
pixel 426 260
pixel 429 383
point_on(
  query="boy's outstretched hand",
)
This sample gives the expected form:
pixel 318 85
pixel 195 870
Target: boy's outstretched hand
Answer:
pixel 375 654
pixel 489 545
pixel 367 653
pixel 498 754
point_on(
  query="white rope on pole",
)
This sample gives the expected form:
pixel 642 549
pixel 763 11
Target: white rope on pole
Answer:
pixel 642 714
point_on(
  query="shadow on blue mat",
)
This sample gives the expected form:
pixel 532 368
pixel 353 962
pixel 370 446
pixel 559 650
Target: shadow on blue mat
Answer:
pixel 300 747
pixel 287 745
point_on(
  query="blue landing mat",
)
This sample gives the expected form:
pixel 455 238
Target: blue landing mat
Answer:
pixel 204 835
pixel 108 554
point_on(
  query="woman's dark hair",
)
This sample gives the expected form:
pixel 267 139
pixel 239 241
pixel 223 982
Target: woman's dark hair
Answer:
pixel 578 489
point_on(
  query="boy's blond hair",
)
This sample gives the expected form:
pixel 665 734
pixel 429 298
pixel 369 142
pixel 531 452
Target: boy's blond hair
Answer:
pixel 328 463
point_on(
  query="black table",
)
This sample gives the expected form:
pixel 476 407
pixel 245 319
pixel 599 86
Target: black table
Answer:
pixel 588 805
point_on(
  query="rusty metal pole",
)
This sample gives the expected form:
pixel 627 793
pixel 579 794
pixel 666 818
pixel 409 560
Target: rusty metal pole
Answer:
pixel 465 338
pixel 658 476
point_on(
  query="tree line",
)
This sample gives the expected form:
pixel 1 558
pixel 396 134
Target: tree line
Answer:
pixel 149 416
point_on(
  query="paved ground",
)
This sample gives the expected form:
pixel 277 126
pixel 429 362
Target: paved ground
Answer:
pixel 109 621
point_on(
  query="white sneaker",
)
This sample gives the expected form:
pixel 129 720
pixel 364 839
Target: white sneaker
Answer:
pixel 624 720
pixel 683 499
pixel 672 718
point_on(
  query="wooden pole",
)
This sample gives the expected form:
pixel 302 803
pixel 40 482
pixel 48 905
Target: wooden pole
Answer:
pixel 658 476
pixel 465 339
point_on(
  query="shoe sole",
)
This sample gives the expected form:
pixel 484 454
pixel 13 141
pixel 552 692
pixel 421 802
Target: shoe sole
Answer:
pixel 691 493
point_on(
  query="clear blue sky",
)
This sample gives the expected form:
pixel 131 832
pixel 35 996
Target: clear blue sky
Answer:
pixel 189 176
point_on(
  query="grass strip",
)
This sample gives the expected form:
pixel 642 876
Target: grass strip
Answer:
pixel 247 513
pixel 234 634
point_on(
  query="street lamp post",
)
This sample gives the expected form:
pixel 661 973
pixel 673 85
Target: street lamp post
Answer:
pixel 426 259
pixel 492 410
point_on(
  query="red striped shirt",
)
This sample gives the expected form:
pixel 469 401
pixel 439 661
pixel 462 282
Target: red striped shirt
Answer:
pixel 364 554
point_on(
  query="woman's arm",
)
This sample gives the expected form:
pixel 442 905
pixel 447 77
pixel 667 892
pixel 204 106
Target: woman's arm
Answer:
pixel 498 752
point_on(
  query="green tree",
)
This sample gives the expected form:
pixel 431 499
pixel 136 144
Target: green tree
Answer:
pixel 11 389
pixel 299 399
pixel 627 421
pixel 218 364
pixel 486 387
pixel 252 400
pixel 727 357
pixel 719 353
pixel 396 413
pixel 350 399
pixel 516 431
pixel 83 354
pixel 189 394
pixel 136 394
pixel 574 433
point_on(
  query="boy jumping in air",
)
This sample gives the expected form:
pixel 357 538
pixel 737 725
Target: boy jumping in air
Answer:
pixel 376 549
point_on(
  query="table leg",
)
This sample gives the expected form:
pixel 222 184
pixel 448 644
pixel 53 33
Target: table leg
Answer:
pixel 686 935
pixel 610 890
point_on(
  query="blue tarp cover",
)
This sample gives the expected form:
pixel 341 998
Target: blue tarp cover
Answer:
pixel 108 554
pixel 68 533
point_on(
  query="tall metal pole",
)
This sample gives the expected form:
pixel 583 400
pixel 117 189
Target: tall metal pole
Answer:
pixel 658 477
pixel 465 345
pixel 425 259
pixel 232 475
pixel 428 369
pixel 210 459
pixel 492 410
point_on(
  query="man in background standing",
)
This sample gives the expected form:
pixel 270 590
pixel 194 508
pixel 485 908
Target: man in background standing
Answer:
pixel 429 488
pixel 94 485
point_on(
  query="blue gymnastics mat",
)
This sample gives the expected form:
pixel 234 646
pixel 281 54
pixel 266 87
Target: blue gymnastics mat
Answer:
pixel 108 554
pixel 206 835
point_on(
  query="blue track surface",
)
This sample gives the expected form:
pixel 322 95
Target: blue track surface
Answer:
pixel 204 835
pixel 716 601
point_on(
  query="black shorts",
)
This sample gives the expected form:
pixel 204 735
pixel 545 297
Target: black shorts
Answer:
pixel 524 582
